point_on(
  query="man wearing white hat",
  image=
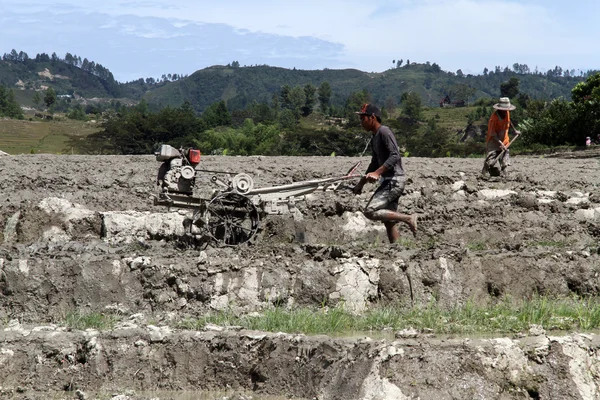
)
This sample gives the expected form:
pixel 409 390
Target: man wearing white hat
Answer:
pixel 497 140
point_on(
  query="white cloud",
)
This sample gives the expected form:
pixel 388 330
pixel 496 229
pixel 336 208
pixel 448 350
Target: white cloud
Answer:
pixel 466 34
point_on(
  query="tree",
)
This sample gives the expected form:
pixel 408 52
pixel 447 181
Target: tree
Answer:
pixel 275 103
pixel 462 92
pixel 309 101
pixel 399 64
pixel 510 89
pixel 69 59
pixel 37 99
pixel 586 102
pixel 8 104
pixel 286 119
pixel 284 95
pixel 77 113
pixel 324 96
pixel 138 132
pixel 412 105
pixel 217 115
pixel 50 98
pixel 141 107
pixel 354 102
pixel 521 68
pixel 297 100
pixel 390 104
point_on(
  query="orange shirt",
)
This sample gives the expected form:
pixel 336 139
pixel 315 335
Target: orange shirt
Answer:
pixel 498 125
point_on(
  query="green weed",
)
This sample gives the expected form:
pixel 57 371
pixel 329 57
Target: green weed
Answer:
pixel 82 321
pixel 432 242
pixel 477 246
pixel 407 243
pixel 551 243
pixel 506 316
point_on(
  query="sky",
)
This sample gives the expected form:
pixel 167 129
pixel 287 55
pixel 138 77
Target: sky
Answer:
pixel 148 38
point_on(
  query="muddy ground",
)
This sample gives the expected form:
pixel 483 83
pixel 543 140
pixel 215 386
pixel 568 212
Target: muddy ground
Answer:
pixel 81 233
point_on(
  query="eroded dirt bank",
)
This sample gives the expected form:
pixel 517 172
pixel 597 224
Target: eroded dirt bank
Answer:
pixel 44 359
pixel 82 233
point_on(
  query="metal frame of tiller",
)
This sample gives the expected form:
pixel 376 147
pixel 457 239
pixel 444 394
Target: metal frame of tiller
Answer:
pixel 232 215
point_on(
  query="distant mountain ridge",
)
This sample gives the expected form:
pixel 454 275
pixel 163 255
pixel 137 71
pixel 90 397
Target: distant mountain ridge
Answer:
pixel 240 86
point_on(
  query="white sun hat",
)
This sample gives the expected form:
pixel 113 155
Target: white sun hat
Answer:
pixel 504 104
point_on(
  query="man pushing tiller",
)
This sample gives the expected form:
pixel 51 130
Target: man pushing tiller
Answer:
pixel 386 167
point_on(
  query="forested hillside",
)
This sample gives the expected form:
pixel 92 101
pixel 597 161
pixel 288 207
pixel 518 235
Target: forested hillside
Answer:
pixel 277 111
pixel 66 76
pixel 240 86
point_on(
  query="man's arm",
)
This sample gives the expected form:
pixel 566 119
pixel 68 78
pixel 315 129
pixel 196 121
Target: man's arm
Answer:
pixel 517 132
pixel 393 157
pixel 363 180
pixel 374 176
pixel 496 138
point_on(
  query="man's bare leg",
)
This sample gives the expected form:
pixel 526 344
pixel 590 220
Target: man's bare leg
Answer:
pixel 392 216
pixel 392 231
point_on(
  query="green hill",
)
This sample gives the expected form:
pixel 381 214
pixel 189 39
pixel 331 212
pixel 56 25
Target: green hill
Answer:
pixel 240 86
pixel 65 79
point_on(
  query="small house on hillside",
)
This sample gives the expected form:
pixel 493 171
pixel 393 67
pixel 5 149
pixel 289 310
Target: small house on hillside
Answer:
pixel 447 102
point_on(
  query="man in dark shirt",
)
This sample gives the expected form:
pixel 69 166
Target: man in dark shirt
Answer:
pixel 386 167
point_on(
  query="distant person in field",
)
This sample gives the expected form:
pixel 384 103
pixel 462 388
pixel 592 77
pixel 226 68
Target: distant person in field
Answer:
pixel 588 141
pixel 385 167
pixel 497 139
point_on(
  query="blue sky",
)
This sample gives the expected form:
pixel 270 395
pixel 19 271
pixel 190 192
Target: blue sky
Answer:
pixel 148 38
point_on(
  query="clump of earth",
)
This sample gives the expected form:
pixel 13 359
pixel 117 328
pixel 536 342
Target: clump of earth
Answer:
pixel 81 233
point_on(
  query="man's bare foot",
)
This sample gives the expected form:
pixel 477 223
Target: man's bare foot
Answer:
pixel 413 224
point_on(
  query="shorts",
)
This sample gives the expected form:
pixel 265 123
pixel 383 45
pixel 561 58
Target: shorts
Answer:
pixel 493 157
pixel 386 196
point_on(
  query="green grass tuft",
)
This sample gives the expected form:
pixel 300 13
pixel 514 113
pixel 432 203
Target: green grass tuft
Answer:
pixel 471 318
pixel 81 321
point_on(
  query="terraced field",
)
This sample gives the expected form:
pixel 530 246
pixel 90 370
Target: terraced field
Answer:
pixel 496 297
pixel 38 136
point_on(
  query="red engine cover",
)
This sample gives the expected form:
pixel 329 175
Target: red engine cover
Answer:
pixel 194 156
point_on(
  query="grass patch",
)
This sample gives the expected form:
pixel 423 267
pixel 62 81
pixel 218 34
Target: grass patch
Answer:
pixel 504 317
pixel 26 137
pixel 377 242
pixel 477 245
pixel 407 243
pixel 551 243
pixel 82 321
pixel 453 118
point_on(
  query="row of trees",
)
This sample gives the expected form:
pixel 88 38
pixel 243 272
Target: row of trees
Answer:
pixel 260 128
pixel 557 71
pixel 518 68
pixel 272 129
pixel 562 122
